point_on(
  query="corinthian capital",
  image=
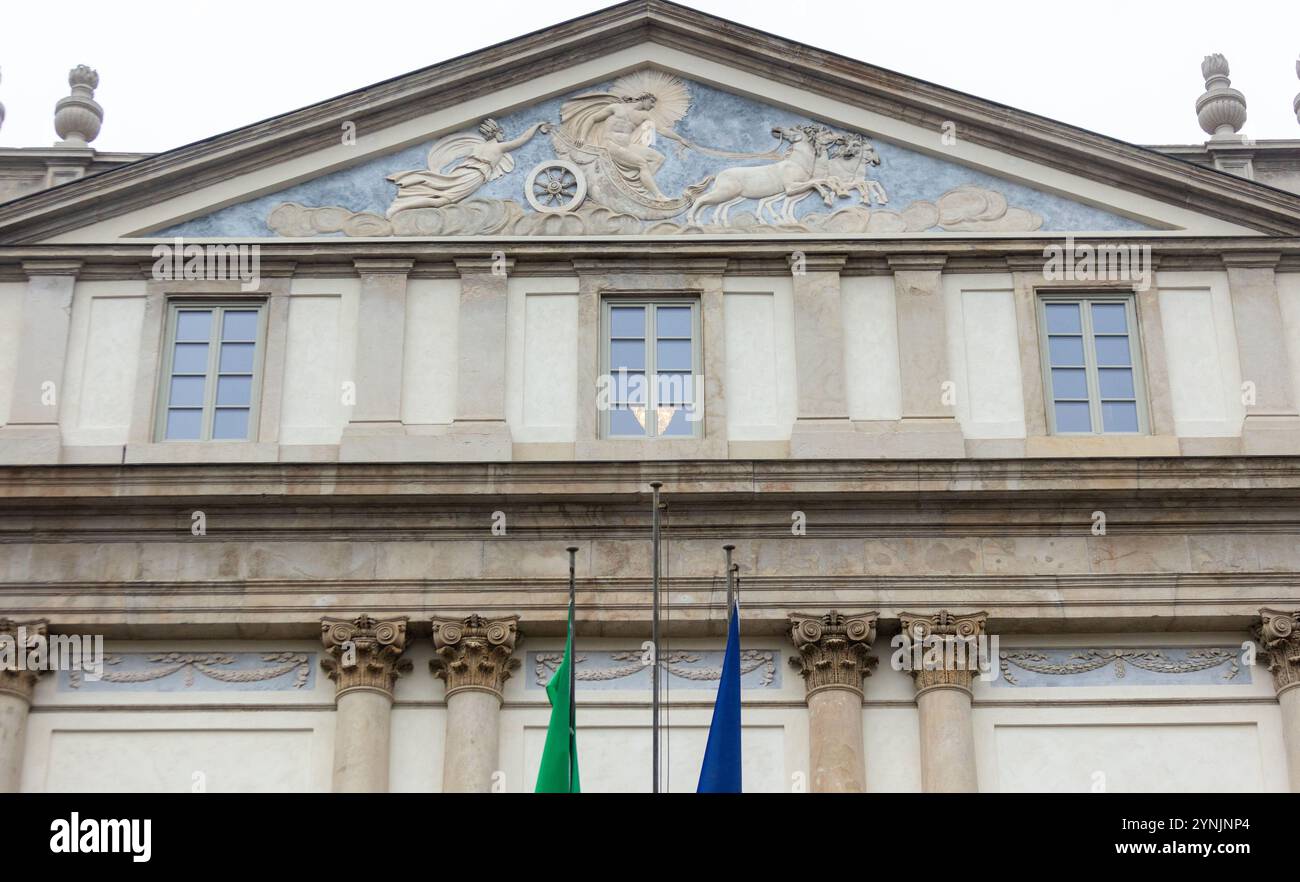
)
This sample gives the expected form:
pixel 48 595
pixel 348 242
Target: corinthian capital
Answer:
pixel 1279 637
pixel 475 653
pixel 364 653
pixel 942 649
pixel 834 649
pixel 17 639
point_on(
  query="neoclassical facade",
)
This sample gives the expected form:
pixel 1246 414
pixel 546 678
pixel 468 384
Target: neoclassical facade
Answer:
pixel 301 420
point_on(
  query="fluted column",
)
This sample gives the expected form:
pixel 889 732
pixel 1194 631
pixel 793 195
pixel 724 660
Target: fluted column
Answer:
pixel 834 656
pixel 474 656
pixel 943 696
pixel 16 688
pixel 1279 639
pixel 365 658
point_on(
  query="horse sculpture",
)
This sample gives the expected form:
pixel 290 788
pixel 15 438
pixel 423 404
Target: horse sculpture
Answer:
pixel 842 173
pixel 761 181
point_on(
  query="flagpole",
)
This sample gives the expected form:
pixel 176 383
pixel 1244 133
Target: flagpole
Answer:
pixel 573 667
pixel 731 585
pixel 654 632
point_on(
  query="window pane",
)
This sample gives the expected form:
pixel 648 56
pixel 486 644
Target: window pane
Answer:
pixel 1116 382
pixel 184 425
pixel 1063 318
pixel 675 388
pixel 190 358
pixel 673 321
pixel 237 358
pixel 627 321
pixel 1069 383
pixel 1109 318
pixel 1073 417
pixel 1112 350
pixel 673 355
pixel 230 424
pixel 194 325
pixel 1119 416
pixel 187 391
pixel 235 390
pixel 239 325
pixel 677 424
pixel 628 354
pixel 1066 350
pixel 629 388
pixel 626 422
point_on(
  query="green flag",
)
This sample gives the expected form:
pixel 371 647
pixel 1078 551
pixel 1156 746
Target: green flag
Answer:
pixel 559 769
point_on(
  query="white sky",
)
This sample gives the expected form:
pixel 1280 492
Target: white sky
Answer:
pixel 175 71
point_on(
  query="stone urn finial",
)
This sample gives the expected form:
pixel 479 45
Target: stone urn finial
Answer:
pixel 1221 109
pixel 77 117
pixel 1295 102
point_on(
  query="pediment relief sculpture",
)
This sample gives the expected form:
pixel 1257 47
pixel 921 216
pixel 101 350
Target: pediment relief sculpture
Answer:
pixel 652 154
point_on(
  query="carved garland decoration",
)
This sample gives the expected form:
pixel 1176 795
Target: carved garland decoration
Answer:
pixel 750 660
pixel 1087 660
pixel 206 664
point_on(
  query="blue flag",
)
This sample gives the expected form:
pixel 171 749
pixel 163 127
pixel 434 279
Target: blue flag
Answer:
pixel 720 772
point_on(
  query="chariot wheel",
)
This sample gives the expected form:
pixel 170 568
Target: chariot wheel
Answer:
pixel 555 185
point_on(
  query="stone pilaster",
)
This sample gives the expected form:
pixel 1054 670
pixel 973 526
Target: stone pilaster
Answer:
pixel 32 435
pixel 474 656
pixel 822 428
pixel 1272 423
pixel 16 689
pixel 480 419
pixel 834 656
pixel 943 681
pixel 365 658
pixel 923 367
pixel 1279 639
pixel 381 335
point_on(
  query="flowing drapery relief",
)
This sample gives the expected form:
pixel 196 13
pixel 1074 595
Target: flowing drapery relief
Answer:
pixel 609 152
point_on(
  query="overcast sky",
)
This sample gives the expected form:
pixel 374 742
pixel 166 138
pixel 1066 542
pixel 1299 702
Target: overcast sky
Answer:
pixel 176 71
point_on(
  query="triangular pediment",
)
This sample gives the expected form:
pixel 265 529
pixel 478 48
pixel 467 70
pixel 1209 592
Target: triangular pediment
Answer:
pixel 739 138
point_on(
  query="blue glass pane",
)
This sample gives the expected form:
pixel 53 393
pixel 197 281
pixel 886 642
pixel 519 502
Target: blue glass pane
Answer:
pixel 628 354
pixel 1073 417
pixel 1112 350
pixel 184 425
pixel 1109 318
pixel 679 424
pixel 673 321
pixel 1119 416
pixel 194 325
pixel 237 358
pixel 239 325
pixel 624 422
pixel 628 388
pixel 187 392
pixel 235 390
pixel 627 321
pixel 230 424
pixel 673 355
pixel 1063 318
pixel 1066 350
pixel 675 388
pixel 1069 383
pixel 190 358
pixel 1116 382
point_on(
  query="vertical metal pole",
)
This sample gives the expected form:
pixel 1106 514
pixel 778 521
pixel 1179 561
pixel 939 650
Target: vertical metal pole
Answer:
pixel 731 584
pixel 573 667
pixel 654 631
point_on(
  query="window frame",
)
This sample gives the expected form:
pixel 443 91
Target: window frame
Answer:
pixel 650 302
pixel 219 306
pixel 1126 298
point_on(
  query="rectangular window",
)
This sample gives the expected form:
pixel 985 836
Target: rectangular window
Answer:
pixel 211 372
pixel 651 361
pixel 1092 371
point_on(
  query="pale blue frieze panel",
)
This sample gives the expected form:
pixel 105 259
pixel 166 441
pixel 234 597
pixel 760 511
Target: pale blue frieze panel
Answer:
pixel 695 134
pixel 686 669
pixel 197 672
pixel 1181 666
